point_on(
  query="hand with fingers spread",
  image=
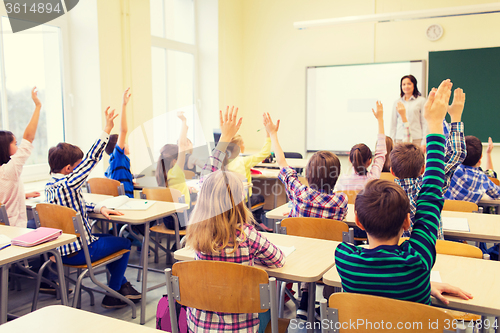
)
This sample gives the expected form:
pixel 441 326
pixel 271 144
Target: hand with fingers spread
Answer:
pixel 229 124
pixel 436 107
pixel 126 97
pixel 379 114
pixel 110 117
pixel 457 107
pixel 271 128
pixel 400 108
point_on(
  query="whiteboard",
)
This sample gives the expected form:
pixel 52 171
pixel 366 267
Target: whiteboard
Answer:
pixel 340 101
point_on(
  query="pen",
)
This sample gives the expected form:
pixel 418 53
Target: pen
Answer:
pixel 260 129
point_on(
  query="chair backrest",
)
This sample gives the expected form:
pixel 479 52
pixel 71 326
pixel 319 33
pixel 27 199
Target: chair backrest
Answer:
pixel 4 218
pixel 161 194
pixel 315 228
pixel 351 195
pixel 460 206
pixel 373 313
pixel 303 181
pixel 189 174
pixel 104 186
pixel 454 248
pixel 55 216
pixel 387 176
pixel 495 181
pixel 293 155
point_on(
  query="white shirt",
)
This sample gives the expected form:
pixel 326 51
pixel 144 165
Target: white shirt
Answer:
pixel 415 114
pixel 12 188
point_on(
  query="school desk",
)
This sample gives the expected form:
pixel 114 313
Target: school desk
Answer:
pixel 268 185
pixel 65 319
pixel 310 260
pixel 296 163
pixel 14 253
pixel 157 211
pixel 476 276
pixel 483 227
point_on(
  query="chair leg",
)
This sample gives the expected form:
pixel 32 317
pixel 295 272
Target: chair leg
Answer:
pixel 141 265
pixel 281 300
pixel 37 286
pixel 156 247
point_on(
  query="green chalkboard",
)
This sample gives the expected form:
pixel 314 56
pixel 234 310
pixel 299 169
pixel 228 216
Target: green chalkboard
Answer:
pixel 477 72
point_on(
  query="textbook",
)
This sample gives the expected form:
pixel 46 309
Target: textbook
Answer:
pixel 4 241
pixel 37 236
pixel 455 223
pixel 122 202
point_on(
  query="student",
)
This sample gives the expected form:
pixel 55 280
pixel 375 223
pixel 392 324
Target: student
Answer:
pixel 470 183
pixel 407 159
pixel 12 159
pixel 169 168
pixel 192 161
pixel 243 164
pixel 221 228
pixel 117 149
pixel 361 158
pixel 317 199
pixel 385 268
pixel 69 172
pixel 390 143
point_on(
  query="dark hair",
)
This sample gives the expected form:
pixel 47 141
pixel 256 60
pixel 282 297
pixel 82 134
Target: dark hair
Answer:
pixel 168 153
pixel 6 138
pixel 322 171
pixel 474 150
pixel 416 93
pixel 389 144
pixel 407 160
pixel 359 155
pixel 113 138
pixel 382 207
pixel 62 155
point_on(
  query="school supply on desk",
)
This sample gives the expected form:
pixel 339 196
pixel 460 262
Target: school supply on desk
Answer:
pixel 4 241
pixel 122 202
pixel 435 276
pixel 37 236
pixel 287 250
pixel 455 223
pixel 255 172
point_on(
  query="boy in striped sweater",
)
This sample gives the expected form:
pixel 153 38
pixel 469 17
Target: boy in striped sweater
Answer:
pixel 385 268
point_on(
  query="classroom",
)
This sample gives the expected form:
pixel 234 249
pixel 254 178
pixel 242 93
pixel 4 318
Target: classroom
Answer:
pixel 198 57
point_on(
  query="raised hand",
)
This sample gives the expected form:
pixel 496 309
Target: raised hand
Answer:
pixel 400 107
pixel 181 116
pixel 271 128
pixel 490 146
pixel 436 106
pixel 34 97
pixel 379 114
pixel 457 107
pixel 110 117
pixel 229 123
pixel 126 97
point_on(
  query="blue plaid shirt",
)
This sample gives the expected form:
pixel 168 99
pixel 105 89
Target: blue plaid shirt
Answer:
pixel 470 184
pixel 66 190
pixel 454 156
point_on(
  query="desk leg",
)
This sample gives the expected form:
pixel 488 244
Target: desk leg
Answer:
pixel 4 285
pixel 311 306
pixel 144 253
pixel 62 278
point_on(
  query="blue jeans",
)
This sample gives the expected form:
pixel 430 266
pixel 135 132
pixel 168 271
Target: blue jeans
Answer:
pixel 104 246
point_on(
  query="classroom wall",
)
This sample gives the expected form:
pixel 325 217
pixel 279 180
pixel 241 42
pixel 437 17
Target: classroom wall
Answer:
pixel 268 69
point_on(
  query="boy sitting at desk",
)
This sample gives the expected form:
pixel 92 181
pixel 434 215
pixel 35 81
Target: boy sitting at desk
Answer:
pixel 407 160
pixel 385 268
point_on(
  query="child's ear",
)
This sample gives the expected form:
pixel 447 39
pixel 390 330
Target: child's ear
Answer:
pixel 407 222
pixel 392 172
pixel 422 170
pixel 358 224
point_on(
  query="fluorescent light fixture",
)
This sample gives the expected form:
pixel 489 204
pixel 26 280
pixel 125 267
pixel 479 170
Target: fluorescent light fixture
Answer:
pixel 402 16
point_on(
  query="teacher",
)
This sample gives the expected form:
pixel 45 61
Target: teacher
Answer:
pixel 409 109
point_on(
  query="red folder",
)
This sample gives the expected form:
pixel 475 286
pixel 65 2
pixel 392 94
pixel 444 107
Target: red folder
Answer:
pixel 37 236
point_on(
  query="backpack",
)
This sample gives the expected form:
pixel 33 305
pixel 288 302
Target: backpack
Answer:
pixel 163 316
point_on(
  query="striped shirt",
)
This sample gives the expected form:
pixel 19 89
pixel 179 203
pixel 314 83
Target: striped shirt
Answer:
pixel 455 155
pixel 119 169
pixel 355 182
pixel 401 272
pixel 470 184
pixel 66 190
pixel 308 202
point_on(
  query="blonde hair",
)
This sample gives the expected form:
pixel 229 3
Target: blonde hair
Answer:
pixel 219 215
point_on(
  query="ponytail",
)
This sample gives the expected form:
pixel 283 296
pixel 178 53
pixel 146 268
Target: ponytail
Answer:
pixel 359 155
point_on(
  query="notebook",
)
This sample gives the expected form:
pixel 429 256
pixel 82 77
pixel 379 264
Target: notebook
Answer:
pixel 37 236
pixel 4 241
pixel 455 224
pixel 122 202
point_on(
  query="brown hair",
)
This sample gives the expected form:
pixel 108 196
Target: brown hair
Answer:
pixel 389 145
pixel 168 153
pixel 322 171
pixel 219 215
pixel 474 150
pixel 382 208
pixel 233 148
pixel 62 155
pixel 407 160
pixel 113 138
pixel 359 156
pixel 413 80
pixel 6 138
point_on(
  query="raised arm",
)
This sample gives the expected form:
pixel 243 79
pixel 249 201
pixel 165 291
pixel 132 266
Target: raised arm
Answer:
pixel 489 163
pixel 381 149
pixel 394 122
pixel 272 129
pixel 400 108
pixel 183 143
pixel 30 131
pixel 123 123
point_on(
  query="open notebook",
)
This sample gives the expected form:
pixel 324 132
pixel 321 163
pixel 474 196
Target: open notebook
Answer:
pixel 122 202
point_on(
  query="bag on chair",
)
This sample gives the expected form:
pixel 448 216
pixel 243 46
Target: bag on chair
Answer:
pixel 163 316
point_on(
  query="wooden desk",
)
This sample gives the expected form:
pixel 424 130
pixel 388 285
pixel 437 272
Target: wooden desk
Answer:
pixel 311 259
pixel 64 319
pixel 477 276
pixel 16 253
pixel 157 211
pixel 483 227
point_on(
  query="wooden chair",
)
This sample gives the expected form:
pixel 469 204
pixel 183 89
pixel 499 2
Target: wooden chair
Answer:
pixel 454 248
pixel 460 206
pixel 495 181
pixel 105 186
pixel 348 307
pixel 4 218
pixel 387 176
pixel 68 220
pixel 223 287
pixel 351 195
pixel 189 174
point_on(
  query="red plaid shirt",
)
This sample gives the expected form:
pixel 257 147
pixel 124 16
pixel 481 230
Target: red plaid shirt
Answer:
pixel 308 202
